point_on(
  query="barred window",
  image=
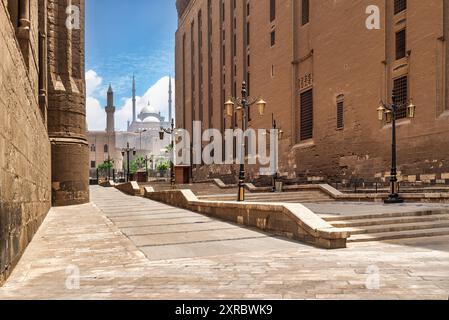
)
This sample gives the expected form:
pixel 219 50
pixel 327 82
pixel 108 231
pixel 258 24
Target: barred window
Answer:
pixel 306 113
pixel 399 6
pixel 305 12
pixel 340 115
pixel 401 44
pixel 400 91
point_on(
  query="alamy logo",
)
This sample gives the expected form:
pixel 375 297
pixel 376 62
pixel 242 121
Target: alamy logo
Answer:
pixel 373 20
pixel 234 147
pixel 73 17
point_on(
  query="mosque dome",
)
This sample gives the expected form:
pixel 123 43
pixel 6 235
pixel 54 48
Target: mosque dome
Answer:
pixel 151 119
pixel 147 109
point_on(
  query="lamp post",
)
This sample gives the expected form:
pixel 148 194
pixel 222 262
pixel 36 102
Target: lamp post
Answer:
pixel 162 133
pixel 389 113
pixel 110 163
pixel 150 159
pixel 280 135
pixel 241 105
pixel 140 134
pixel 127 151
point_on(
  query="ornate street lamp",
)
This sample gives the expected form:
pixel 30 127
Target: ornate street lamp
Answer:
pixel 241 106
pixel 171 132
pixel 110 163
pixel 388 113
pixel 127 151
pixel 140 132
pixel 280 135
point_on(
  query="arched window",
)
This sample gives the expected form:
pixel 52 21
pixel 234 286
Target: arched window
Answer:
pixel 106 148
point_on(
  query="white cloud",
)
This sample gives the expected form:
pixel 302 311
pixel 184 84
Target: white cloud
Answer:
pixel 93 82
pixel 96 117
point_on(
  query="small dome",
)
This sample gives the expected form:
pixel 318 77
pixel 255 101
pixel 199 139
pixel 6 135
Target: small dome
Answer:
pixel 151 119
pixel 147 109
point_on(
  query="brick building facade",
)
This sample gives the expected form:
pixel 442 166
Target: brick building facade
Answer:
pixel 323 73
pixel 43 145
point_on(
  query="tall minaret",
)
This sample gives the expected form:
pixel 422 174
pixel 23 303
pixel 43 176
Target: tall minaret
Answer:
pixel 134 99
pixel 110 111
pixel 170 101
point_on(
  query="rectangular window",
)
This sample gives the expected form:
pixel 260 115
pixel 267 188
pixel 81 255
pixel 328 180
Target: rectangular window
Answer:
pixel 272 10
pixel 340 115
pixel 399 6
pixel 223 11
pixel 247 33
pixel 400 91
pixel 273 38
pixel 93 164
pixel 305 12
pixel 306 113
pixel 401 44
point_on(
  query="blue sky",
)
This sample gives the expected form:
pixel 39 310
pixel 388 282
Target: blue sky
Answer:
pixel 122 38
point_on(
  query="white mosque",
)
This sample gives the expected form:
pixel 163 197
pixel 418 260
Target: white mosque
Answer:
pixel 142 134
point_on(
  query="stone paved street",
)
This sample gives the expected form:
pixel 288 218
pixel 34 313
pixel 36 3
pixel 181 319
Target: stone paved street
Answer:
pixel 132 248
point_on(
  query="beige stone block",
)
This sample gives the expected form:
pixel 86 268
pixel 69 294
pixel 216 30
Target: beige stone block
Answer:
pixel 428 177
pixel 445 176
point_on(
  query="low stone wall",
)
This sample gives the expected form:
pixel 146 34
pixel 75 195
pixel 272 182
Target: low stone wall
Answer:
pixel 436 197
pixel 131 188
pixel 108 184
pixel 290 220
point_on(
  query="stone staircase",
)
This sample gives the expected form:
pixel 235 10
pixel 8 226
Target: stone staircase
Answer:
pixel 393 226
pixel 309 196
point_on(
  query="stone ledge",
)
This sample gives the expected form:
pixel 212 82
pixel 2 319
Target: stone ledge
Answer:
pixel 108 184
pixel 132 188
pixel 289 220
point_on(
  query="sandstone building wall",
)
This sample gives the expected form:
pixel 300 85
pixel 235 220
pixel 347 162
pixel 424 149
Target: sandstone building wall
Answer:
pixel 345 64
pixel 28 110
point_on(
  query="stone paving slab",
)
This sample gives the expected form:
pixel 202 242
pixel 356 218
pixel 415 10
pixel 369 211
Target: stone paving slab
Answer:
pixel 82 240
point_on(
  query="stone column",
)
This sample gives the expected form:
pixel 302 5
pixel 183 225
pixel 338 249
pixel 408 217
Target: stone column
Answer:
pixel 24 17
pixel 67 108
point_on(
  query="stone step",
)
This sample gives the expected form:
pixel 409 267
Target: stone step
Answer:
pixel 399 235
pixel 389 221
pixel 401 227
pixel 335 218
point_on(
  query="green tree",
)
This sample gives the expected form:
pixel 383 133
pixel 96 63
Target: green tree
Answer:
pixel 105 166
pixel 163 166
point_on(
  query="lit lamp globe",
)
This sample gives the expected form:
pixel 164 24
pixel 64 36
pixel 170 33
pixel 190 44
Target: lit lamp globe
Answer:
pixel 411 110
pixel 229 108
pixel 389 116
pixel 280 134
pixel 161 135
pixel 381 112
pixel 240 113
pixel 261 105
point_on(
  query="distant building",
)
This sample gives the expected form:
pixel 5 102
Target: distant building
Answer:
pixel 323 73
pixel 142 134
